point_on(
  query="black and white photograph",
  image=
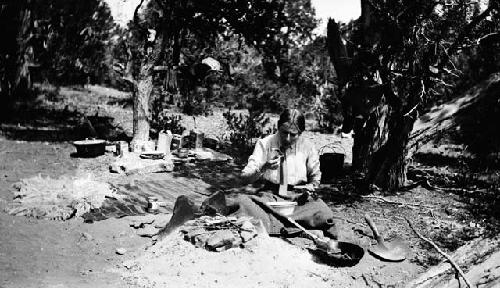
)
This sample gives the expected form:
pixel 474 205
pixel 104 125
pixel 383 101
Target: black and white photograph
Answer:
pixel 249 143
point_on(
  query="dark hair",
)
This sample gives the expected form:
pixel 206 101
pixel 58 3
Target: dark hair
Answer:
pixel 293 116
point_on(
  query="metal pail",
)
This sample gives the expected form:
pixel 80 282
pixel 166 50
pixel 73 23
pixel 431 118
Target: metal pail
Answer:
pixel 331 163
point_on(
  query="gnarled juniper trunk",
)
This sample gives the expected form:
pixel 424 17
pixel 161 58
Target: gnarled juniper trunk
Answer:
pixel 379 149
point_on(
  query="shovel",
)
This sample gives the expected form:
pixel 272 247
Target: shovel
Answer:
pixel 324 243
pixel 395 251
pixel 341 253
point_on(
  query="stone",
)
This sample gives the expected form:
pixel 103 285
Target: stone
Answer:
pixel 148 231
pixel 247 236
pixel 87 236
pixel 220 238
pixel 120 251
pixel 200 240
pixel 129 264
pixel 141 223
pixel 247 226
pixel 192 233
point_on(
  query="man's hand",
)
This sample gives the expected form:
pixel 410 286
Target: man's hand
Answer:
pixel 307 192
pixel 272 164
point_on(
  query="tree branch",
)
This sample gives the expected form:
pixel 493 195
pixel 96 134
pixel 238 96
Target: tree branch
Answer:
pixel 466 31
pixel 455 266
pixel 136 16
pixel 395 202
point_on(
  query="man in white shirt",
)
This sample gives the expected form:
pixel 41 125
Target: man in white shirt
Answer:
pixel 283 160
pixel 287 160
pixel 287 150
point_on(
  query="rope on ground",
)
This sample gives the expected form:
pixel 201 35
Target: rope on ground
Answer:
pixel 448 258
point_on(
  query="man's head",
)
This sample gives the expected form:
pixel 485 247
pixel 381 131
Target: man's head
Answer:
pixel 290 125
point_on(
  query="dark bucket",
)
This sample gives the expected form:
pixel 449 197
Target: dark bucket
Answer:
pixel 331 163
pixel 90 148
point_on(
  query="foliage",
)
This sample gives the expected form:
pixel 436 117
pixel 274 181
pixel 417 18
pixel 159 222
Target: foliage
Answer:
pixel 418 52
pixel 168 122
pixel 298 86
pixel 328 109
pixel 245 129
pixel 190 31
pixel 72 40
pixel 160 118
pixel 402 57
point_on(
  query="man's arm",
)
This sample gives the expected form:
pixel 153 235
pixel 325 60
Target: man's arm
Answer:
pixel 313 167
pixel 253 169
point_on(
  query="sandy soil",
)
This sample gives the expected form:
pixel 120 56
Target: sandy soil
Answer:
pixel 268 262
pixel 42 253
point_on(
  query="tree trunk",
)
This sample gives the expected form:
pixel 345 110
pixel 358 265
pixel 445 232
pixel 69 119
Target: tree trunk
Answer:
pixel 381 132
pixel 381 136
pixel 142 94
pixel 388 167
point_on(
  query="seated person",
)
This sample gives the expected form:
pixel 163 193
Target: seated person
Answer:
pixel 287 149
pixel 285 158
pixel 289 159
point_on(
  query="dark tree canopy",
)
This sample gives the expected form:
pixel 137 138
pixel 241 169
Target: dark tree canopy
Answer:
pixel 401 57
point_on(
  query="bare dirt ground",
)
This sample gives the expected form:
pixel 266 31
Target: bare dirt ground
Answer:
pixel 42 253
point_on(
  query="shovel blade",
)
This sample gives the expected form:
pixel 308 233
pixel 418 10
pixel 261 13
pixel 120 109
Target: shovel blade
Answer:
pixel 395 251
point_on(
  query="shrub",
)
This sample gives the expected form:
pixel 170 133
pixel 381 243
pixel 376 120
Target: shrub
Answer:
pixel 173 123
pixel 329 112
pixel 245 129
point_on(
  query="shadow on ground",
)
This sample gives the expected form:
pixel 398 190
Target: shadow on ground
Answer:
pixel 35 122
pixel 220 176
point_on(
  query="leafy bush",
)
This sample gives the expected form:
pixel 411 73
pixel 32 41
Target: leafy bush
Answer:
pixel 244 130
pixel 160 119
pixel 172 123
pixel 328 110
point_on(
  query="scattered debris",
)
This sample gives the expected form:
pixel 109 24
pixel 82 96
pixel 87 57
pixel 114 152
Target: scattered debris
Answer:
pixel 220 233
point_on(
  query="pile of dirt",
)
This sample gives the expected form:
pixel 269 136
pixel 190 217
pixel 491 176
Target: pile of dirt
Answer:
pixel 58 199
pixel 269 262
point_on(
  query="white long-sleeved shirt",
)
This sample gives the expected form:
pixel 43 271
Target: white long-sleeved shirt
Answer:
pixel 301 157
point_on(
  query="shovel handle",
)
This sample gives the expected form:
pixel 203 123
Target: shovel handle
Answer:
pixel 376 234
pixel 289 219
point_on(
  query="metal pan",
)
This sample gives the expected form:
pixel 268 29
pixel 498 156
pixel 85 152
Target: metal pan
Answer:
pixel 327 250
